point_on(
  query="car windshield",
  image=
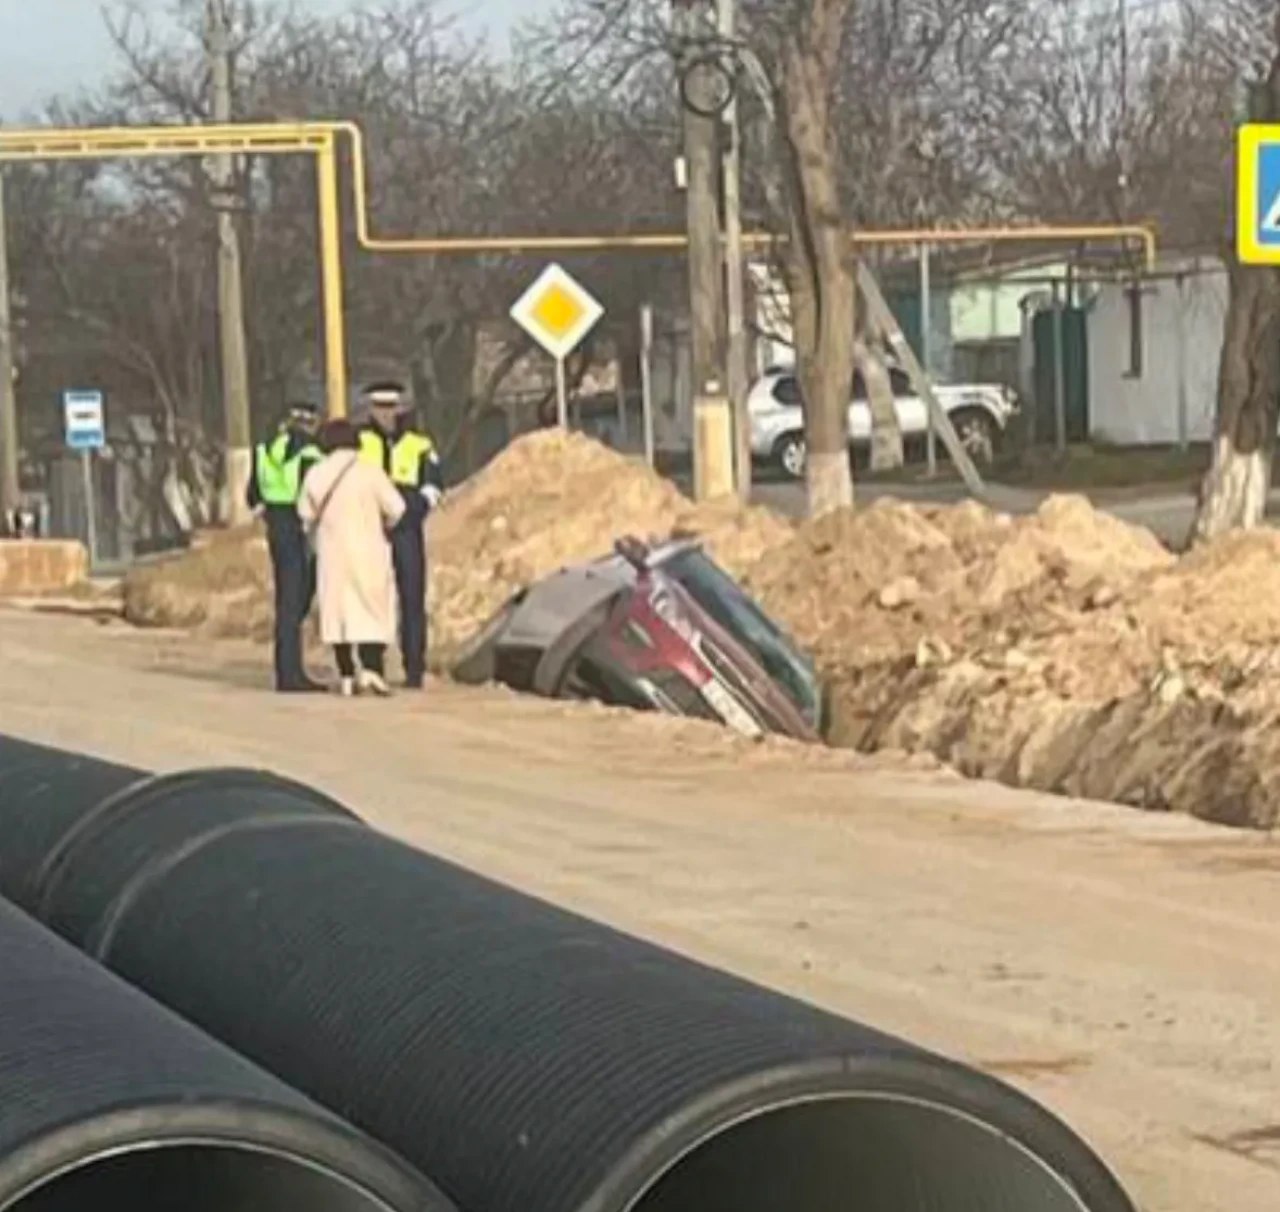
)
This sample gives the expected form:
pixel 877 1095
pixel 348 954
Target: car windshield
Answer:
pixel 726 602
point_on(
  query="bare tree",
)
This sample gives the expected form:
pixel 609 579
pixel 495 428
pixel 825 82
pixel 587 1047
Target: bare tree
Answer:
pixel 802 43
pixel 1235 488
pixel 913 107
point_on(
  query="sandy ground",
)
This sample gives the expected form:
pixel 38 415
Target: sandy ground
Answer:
pixel 1122 968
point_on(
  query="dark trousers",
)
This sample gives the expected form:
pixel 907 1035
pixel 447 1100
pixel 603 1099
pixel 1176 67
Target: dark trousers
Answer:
pixel 409 555
pixel 371 658
pixel 294 573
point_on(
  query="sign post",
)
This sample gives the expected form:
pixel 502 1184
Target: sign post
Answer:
pixel 84 418
pixel 1258 194
pixel 646 380
pixel 557 312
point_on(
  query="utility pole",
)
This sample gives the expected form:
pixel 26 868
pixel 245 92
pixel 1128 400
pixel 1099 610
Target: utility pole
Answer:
pixel 712 424
pixel 238 465
pixel 10 486
pixel 738 372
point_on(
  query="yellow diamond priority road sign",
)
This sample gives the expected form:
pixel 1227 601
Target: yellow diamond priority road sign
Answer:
pixel 557 312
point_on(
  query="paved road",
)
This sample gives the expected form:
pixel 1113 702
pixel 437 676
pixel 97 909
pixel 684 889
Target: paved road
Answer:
pixel 1121 967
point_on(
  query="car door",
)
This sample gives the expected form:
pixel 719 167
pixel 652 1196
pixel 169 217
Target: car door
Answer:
pixel 859 412
pixel 913 413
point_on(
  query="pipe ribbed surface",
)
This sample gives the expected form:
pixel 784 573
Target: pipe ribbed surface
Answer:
pixel 109 1102
pixel 151 822
pixel 530 1060
pixel 56 807
pixel 43 792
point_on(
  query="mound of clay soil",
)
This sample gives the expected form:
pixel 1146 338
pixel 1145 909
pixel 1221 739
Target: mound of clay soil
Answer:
pixel 220 586
pixel 863 586
pixel 1108 671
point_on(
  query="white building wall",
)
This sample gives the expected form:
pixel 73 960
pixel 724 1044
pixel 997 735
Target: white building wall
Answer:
pixel 1174 397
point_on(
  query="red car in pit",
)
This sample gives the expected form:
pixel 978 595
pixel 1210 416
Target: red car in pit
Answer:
pixel 653 628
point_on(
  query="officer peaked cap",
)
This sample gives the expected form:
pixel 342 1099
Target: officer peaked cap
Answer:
pixel 386 391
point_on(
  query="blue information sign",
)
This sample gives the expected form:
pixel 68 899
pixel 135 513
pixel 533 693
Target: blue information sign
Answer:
pixel 84 415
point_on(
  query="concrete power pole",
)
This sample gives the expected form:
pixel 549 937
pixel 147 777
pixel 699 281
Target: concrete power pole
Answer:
pixel 238 465
pixel 712 429
pixel 10 486
pixel 738 372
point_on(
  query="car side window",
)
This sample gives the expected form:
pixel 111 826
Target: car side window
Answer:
pixel 787 391
pixel 900 381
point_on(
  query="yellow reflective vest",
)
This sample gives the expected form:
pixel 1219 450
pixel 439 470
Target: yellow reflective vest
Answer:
pixel 403 462
pixel 280 475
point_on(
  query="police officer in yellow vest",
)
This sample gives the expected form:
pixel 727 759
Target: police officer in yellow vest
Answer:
pixel 409 457
pixel 278 470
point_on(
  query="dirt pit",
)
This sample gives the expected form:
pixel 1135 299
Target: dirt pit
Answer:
pixel 1065 651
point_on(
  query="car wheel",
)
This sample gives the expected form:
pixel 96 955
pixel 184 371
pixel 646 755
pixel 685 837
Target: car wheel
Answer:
pixel 978 435
pixel 790 453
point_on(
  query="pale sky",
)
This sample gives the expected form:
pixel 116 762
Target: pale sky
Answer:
pixel 56 46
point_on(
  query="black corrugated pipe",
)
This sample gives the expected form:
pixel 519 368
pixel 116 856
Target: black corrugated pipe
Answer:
pixel 43 792
pixel 55 805
pixel 533 1061
pixel 111 1103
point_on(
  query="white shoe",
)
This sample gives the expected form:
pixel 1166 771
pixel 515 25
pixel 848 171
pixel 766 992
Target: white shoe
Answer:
pixel 347 688
pixel 374 683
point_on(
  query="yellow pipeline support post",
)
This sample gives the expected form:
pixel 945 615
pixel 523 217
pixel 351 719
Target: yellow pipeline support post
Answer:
pixel 335 339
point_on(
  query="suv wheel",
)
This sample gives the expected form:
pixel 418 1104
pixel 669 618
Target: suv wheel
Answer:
pixel 790 453
pixel 977 433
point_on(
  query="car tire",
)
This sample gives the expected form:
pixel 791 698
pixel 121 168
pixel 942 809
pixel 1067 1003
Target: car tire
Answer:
pixel 790 453
pixel 978 433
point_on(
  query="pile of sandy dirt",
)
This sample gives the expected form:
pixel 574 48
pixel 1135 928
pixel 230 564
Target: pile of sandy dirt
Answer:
pixel 873 584
pixel 1066 652
pixel 220 586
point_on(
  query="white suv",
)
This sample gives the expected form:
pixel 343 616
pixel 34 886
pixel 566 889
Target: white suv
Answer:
pixel 980 413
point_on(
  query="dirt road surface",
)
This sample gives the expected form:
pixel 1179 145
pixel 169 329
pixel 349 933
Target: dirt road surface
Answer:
pixel 1124 969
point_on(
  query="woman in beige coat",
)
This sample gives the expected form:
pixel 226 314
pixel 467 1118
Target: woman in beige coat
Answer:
pixel 348 507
